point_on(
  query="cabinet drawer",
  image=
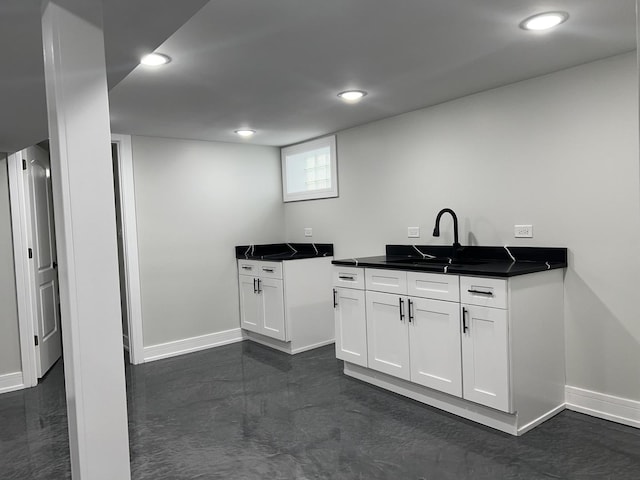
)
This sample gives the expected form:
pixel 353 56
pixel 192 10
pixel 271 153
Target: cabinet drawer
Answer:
pixel 486 292
pixel 248 267
pixel 433 285
pixel 270 269
pixel 388 281
pixel 259 268
pixel 349 277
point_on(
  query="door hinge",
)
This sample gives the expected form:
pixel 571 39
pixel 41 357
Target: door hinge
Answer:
pixel 24 164
pixel 30 253
pixel 35 339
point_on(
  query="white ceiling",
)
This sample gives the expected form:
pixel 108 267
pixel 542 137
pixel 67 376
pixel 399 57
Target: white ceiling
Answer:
pixel 276 65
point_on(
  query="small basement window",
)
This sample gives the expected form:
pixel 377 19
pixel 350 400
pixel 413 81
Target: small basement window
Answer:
pixel 309 170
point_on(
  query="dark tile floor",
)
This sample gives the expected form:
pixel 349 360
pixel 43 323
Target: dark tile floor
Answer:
pixel 244 411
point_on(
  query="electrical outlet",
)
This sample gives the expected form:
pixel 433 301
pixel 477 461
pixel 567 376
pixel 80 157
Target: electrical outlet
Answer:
pixel 523 231
pixel 308 232
pixel 413 232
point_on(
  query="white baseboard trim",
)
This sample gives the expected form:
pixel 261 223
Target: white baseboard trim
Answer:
pixel 306 348
pixel 193 344
pixel 542 418
pixel 11 382
pixel 608 407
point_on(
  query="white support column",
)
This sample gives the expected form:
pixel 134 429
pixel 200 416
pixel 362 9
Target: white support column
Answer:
pixel 84 207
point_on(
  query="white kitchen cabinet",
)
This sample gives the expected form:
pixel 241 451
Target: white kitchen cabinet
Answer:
pixel 262 299
pixel 485 356
pixel 415 339
pixel 286 305
pixel 434 344
pixel 350 325
pixel 388 335
pixel 271 294
pixel 500 364
pixel 250 303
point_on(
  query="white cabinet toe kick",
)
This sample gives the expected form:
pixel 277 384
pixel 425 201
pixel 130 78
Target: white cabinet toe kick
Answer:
pixel 487 349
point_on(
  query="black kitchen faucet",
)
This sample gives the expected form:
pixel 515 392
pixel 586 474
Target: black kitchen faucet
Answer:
pixel 436 230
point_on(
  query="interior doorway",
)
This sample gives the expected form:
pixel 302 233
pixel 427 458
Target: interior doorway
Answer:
pixel 33 231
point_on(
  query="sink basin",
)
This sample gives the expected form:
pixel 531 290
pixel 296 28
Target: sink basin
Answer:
pixel 439 261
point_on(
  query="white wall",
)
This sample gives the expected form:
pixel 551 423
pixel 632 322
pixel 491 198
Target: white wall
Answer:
pixel 195 202
pixel 559 152
pixel 9 335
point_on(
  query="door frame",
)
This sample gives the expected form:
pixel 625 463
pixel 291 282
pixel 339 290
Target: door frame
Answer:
pixel 25 283
pixel 130 246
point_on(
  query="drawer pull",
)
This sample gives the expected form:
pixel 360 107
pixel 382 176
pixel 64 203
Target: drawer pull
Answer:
pixel 270 270
pixel 247 267
pixel 346 277
pixel 335 302
pixel 480 292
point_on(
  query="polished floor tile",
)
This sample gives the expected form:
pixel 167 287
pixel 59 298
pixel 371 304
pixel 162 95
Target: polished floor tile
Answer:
pixel 244 411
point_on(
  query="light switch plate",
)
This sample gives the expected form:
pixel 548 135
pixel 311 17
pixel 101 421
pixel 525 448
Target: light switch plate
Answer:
pixel 308 232
pixel 413 232
pixel 523 231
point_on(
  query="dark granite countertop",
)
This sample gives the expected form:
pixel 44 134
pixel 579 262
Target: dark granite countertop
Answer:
pixel 479 261
pixel 277 252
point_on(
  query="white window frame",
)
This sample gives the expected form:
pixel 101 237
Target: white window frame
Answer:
pixel 330 192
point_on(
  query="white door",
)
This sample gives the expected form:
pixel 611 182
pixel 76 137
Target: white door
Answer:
pixel 387 334
pixel 43 251
pixel 434 345
pixel 250 311
pixel 485 357
pixel 271 294
pixel 351 325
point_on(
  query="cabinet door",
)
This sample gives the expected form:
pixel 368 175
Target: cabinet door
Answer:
pixel 387 334
pixel 250 311
pixel 272 300
pixel 351 325
pixel 434 345
pixel 485 357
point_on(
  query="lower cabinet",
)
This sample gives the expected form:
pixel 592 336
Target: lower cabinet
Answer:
pixel 485 356
pixel 415 339
pixel 350 325
pixel 434 345
pixel 286 305
pixel 388 335
pixel 485 342
pixel 262 306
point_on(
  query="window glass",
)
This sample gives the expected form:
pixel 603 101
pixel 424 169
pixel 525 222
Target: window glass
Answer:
pixel 309 170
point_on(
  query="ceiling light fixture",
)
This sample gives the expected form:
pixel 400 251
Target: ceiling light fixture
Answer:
pixel 245 132
pixel 155 59
pixel 544 21
pixel 352 96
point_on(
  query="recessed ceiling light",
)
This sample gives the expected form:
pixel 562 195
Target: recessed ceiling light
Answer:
pixel 544 21
pixel 352 96
pixel 155 59
pixel 245 132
